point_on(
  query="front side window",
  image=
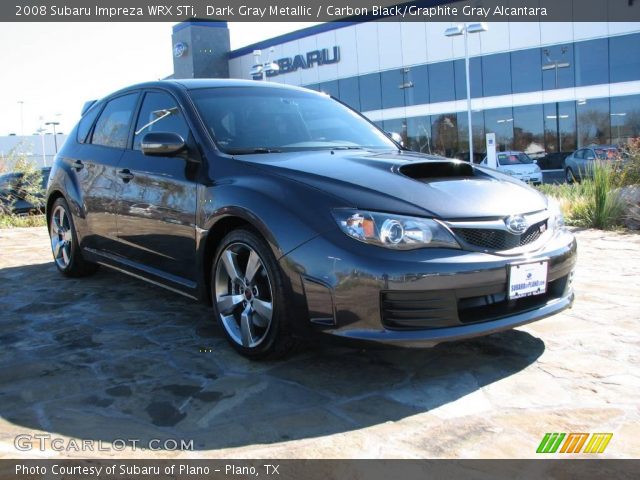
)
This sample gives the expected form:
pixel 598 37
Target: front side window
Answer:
pixel 250 119
pixel 159 113
pixel 112 128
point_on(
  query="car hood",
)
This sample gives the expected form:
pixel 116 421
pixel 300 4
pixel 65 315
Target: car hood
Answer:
pixel 520 168
pixel 405 182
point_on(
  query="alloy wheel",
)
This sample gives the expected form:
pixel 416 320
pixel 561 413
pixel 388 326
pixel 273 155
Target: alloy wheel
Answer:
pixel 243 295
pixel 61 237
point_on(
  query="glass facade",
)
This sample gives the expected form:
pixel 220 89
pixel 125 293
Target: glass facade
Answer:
pixel 535 129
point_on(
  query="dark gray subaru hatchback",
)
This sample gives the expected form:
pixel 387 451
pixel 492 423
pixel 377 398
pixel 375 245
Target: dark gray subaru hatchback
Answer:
pixel 294 216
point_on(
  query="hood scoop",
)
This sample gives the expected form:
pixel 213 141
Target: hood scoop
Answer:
pixel 445 170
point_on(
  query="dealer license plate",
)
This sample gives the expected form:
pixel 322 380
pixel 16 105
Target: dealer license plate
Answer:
pixel 527 279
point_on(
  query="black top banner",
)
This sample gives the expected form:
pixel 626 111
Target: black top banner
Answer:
pixel 319 11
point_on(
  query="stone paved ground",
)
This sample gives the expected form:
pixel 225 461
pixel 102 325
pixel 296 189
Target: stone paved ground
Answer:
pixel 110 357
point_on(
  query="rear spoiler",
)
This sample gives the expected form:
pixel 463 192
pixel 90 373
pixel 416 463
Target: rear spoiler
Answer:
pixel 87 106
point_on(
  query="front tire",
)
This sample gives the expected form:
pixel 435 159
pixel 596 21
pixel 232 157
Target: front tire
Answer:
pixel 249 292
pixel 569 176
pixel 64 242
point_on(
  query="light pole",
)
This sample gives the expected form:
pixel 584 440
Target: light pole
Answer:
pixel 465 30
pixel 21 102
pixel 40 132
pixel 555 65
pixel 505 122
pixel 55 139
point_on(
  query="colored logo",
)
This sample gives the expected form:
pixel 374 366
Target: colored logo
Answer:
pixel 574 442
pixel 516 224
pixel 179 49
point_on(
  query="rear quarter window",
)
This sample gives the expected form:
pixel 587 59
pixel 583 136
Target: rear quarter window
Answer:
pixel 86 122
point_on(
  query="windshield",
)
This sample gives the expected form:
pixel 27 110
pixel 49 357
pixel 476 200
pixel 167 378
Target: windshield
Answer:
pixel 262 120
pixel 513 158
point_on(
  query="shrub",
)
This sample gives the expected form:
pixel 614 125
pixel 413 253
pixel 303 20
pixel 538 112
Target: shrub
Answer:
pixel 593 203
pixel 28 186
pixel 630 174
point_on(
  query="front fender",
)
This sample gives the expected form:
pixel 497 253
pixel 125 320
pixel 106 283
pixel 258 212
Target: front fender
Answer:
pixel 286 213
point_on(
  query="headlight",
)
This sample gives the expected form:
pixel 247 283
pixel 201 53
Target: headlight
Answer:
pixel 556 219
pixel 393 231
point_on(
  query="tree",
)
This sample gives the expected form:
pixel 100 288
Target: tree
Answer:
pixel 25 182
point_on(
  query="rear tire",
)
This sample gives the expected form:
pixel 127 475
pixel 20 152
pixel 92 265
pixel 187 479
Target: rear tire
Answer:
pixel 67 255
pixel 249 295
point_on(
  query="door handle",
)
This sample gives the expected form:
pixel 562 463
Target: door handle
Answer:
pixel 77 165
pixel 125 174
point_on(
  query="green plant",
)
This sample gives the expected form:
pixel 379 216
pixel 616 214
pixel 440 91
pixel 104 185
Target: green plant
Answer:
pixel 25 182
pixel 630 174
pixel 593 203
pixel 13 221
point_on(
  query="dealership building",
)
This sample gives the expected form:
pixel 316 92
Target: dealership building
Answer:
pixel 540 87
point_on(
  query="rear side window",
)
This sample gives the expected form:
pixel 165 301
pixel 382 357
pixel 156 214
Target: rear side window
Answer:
pixel 86 123
pixel 159 113
pixel 112 127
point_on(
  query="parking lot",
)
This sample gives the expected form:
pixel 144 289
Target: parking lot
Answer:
pixel 111 358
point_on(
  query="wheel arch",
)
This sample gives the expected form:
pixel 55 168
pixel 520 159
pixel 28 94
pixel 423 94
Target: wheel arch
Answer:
pixel 232 219
pixel 53 196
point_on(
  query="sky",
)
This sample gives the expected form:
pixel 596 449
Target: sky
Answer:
pixel 55 67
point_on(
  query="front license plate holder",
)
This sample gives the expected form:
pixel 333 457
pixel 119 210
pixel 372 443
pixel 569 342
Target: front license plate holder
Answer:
pixel 527 279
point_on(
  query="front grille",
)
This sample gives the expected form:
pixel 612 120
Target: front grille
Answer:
pixel 430 309
pixel 418 309
pixel 497 240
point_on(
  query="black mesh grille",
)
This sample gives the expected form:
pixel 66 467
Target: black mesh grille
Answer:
pixel 500 239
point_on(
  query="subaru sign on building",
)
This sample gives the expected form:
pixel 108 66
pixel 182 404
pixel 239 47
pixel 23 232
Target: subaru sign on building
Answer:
pixel 543 88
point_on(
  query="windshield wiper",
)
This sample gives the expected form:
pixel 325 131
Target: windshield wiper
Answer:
pixel 247 151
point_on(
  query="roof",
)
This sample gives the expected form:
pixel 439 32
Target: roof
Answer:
pixel 194 83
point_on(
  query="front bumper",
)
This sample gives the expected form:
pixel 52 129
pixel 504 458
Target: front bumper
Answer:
pixel 534 178
pixel 355 291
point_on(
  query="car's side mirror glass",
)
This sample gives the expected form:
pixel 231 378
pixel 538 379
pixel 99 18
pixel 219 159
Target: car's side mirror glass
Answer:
pixel 162 144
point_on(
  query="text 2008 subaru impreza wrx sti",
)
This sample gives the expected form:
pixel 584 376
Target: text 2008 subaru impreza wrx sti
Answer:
pixel 294 216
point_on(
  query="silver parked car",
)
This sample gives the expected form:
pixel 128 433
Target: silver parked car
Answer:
pixel 578 165
pixel 519 165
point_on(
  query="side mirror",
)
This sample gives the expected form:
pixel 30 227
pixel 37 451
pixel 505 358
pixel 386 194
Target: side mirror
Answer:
pixel 396 137
pixel 162 144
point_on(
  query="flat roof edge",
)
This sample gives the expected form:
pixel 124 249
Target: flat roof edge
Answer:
pixel 291 36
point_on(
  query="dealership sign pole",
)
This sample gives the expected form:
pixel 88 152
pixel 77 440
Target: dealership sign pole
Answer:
pixel 492 161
